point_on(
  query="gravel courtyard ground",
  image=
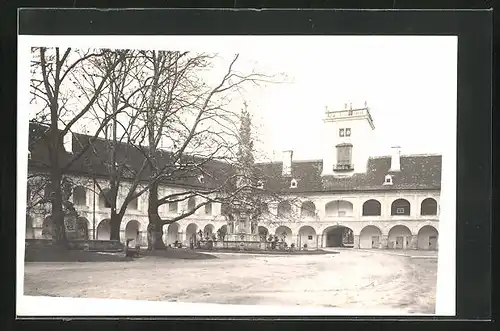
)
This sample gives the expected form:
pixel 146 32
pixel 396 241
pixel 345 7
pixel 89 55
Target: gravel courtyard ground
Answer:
pixel 352 279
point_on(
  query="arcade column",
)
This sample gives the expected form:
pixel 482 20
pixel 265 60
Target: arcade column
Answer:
pixel 356 241
pixel 384 241
pixel 413 242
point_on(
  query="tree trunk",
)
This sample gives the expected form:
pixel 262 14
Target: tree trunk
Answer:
pixel 155 226
pixel 58 229
pixel 114 225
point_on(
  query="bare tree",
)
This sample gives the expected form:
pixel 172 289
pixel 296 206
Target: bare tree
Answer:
pixel 124 133
pixel 55 90
pixel 186 111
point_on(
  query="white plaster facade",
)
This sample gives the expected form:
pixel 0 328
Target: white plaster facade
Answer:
pixel 331 209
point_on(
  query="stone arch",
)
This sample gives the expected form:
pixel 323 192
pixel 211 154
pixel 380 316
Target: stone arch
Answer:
pixel 133 231
pixel 399 237
pixel 427 238
pixel 307 209
pixel 208 229
pixel 47 227
pixel 307 236
pixel 428 207
pixel 104 229
pixel 338 208
pixel 172 233
pixel 82 228
pixel 400 207
pixel 263 233
pixel 30 233
pixel 80 196
pixel 191 232
pixel 369 237
pixel 284 233
pixel 284 209
pixel 372 207
pixel 338 236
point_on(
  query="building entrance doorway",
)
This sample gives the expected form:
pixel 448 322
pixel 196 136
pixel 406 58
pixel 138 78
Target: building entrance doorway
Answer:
pixel 375 241
pixel 433 242
pixel 339 236
pixel 399 242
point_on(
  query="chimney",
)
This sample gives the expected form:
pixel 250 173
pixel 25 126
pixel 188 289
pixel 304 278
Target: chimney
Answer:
pixel 395 159
pixel 68 142
pixel 287 163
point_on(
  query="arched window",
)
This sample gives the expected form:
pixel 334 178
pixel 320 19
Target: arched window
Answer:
pixel 371 208
pixel 308 209
pixel 284 209
pixel 103 202
pixel 79 196
pixel 173 207
pixel 208 208
pixel 400 207
pixel 192 203
pixel 428 207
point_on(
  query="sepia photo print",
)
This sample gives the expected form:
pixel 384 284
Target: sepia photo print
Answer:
pixel 293 173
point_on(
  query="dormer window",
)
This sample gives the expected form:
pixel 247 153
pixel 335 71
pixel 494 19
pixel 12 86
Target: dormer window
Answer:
pixel 293 183
pixel 260 184
pixel 388 180
pixel 201 178
pixel 29 155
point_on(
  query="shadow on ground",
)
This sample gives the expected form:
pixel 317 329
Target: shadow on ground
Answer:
pixel 269 252
pixel 56 254
pixel 53 254
pixel 179 253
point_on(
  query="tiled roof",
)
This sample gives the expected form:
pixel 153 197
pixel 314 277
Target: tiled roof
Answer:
pixel 417 171
pixel 95 161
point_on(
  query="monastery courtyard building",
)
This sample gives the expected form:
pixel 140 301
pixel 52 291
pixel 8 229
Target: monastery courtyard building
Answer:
pixel 348 198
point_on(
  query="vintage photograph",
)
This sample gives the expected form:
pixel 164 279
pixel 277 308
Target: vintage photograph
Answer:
pixel 277 171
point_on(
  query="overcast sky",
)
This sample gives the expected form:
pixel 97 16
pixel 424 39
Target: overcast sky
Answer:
pixel 409 84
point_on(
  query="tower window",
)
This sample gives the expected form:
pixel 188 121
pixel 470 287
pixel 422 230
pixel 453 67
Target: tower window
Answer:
pixel 348 132
pixel 341 133
pixel 344 157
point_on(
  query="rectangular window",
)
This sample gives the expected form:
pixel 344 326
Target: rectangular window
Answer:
pixel 309 237
pixel 400 211
pixel 341 132
pixel 348 132
pixel 344 155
